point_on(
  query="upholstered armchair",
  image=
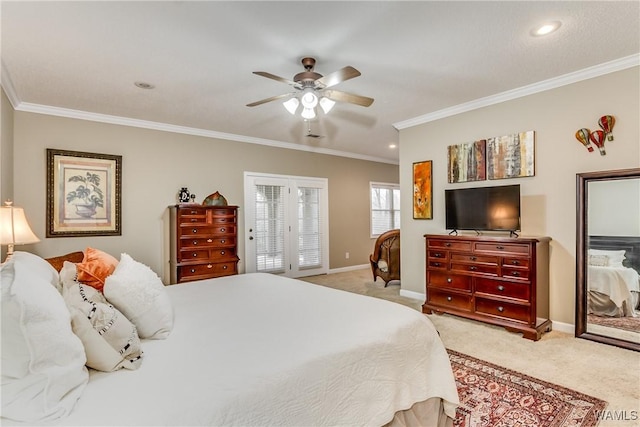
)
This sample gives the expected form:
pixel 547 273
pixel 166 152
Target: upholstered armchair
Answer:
pixel 385 260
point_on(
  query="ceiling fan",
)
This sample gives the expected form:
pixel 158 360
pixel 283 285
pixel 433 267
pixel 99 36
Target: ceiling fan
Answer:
pixel 313 88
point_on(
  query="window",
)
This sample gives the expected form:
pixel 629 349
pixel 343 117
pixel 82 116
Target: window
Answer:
pixel 385 207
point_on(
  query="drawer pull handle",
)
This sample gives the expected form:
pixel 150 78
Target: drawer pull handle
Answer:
pixel 449 298
pixel 223 220
pixel 501 288
pixel 195 242
pixel 195 254
pixel 222 241
pixel 209 265
pixel 221 252
pixel 500 309
pixel 194 212
pixel 224 267
pixel 447 244
pixel 436 264
pixel 195 230
pixel 515 262
pixel 473 268
pixel 500 247
pixel 194 220
pixel 209 240
pixel 193 270
pixel 437 255
pixel 223 230
pixel 515 273
pixel 449 280
pixel 472 258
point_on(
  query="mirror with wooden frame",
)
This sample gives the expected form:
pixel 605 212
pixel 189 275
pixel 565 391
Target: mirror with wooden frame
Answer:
pixel 608 257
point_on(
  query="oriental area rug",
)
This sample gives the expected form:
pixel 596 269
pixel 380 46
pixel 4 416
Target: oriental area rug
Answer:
pixel 631 324
pixel 492 396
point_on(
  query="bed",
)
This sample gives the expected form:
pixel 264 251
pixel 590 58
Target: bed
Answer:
pixel 253 349
pixel 614 276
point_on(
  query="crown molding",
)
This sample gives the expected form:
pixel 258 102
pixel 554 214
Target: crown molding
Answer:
pixel 553 83
pixel 145 124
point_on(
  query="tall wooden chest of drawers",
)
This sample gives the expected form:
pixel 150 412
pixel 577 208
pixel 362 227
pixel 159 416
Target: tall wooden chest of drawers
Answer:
pixel 204 242
pixel 497 280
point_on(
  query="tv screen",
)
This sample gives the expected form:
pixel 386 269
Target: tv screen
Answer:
pixel 483 208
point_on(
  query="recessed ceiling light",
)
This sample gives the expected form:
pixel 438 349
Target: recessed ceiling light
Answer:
pixel 546 28
pixel 143 85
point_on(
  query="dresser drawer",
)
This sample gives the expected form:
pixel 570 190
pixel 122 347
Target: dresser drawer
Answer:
pixel 438 254
pixel 516 273
pixel 503 248
pixel 503 288
pixel 207 254
pixel 450 281
pixel 481 259
pixel 449 244
pixel 491 270
pixel 207 231
pixel 190 212
pixel 519 312
pixel 449 299
pixel 516 262
pixel 228 219
pixel 208 242
pixel 208 269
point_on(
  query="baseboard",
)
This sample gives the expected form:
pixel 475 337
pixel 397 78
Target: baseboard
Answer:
pixel 349 268
pixel 568 328
pixel 413 295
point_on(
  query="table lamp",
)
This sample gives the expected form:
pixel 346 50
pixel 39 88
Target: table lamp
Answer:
pixel 14 228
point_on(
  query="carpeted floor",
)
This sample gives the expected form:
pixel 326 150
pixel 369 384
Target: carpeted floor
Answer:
pixel 602 371
pixel 491 395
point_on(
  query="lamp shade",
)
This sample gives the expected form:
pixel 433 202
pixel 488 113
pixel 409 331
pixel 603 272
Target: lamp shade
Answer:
pixel 326 104
pixel 14 227
pixel 291 105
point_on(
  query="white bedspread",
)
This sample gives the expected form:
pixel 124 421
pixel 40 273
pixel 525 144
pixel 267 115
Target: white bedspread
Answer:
pixel 617 283
pixel 257 349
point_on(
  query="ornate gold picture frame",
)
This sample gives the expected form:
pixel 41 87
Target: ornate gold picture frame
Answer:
pixel 83 194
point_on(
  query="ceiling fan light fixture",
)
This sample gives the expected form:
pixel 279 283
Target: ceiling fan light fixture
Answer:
pixel 291 105
pixel 309 99
pixel 308 113
pixel 326 104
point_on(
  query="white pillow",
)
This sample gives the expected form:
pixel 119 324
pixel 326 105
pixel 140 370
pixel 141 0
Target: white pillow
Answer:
pixel 138 292
pixel 615 257
pixel 43 372
pixel 110 340
pixel 599 260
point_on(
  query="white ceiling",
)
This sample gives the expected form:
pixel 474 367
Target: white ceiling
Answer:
pixel 418 60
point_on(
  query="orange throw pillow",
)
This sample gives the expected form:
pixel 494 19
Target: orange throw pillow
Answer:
pixel 95 267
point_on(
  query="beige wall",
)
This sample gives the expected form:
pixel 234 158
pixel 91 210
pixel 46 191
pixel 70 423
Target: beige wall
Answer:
pixel 157 164
pixel 548 198
pixel 6 154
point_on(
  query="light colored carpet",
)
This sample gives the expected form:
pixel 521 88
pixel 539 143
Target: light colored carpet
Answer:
pixel 603 371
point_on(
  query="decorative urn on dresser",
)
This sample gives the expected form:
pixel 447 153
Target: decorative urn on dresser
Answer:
pixel 503 281
pixel 204 241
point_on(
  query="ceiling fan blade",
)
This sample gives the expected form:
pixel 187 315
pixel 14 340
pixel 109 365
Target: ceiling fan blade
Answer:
pixel 273 98
pixel 274 77
pixel 336 77
pixel 348 97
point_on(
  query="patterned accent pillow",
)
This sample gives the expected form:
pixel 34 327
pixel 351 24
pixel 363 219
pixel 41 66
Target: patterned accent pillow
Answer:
pixel 599 260
pixel 95 267
pixel 138 292
pixel 110 340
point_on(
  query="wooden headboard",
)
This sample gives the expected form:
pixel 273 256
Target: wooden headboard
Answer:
pixel 57 262
pixel 630 244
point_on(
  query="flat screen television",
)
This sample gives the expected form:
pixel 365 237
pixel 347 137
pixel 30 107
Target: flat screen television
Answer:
pixel 483 208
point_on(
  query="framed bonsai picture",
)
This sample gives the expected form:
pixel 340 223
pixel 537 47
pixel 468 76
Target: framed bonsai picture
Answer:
pixel 422 190
pixel 83 194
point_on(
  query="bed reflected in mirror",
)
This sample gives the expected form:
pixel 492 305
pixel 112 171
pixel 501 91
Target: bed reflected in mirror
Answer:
pixel 608 257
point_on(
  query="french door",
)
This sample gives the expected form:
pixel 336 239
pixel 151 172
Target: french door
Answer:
pixel 286 220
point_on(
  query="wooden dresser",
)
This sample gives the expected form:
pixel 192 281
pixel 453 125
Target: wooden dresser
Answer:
pixel 497 280
pixel 204 241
